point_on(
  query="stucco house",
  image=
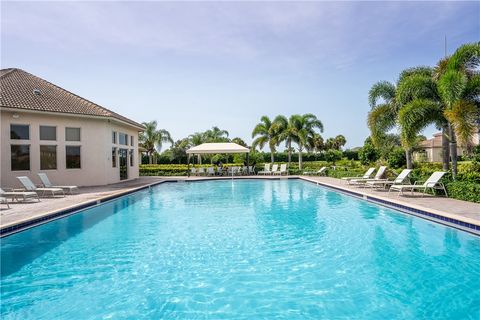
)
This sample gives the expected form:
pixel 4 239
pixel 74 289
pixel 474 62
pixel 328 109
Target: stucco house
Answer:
pixel 430 150
pixel 45 128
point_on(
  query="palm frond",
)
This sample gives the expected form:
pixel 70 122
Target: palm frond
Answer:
pixel 381 90
pixel 463 116
pixel 381 119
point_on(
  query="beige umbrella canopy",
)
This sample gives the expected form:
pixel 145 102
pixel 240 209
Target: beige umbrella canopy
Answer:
pixel 212 148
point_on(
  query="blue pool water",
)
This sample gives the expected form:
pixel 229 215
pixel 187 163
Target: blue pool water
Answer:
pixel 240 250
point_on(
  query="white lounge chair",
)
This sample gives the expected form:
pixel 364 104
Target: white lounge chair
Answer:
pixel 433 182
pixel 266 170
pixel 193 171
pixel 47 184
pixel 400 179
pixel 201 171
pixel 378 177
pixel 220 171
pixel 29 186
pixel 320 172
pixel 210 171
pixel 4 201
pixel 15 195
pixel 283 169
pixel 251 170
pixel 274 169
pixel 367 175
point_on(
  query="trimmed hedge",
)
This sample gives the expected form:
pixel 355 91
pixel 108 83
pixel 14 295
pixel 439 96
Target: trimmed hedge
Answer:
pixel 464 190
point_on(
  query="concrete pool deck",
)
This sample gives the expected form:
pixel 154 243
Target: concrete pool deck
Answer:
pixel 24 215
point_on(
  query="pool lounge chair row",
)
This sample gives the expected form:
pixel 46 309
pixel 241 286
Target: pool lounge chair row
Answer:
pixel 31 191
pixel 399 183
pixel 210 171
pixel 274 171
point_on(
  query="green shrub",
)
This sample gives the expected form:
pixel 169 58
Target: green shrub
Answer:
pixel 368 154
pixel 333 155
pixel 463 190
pixel 396 158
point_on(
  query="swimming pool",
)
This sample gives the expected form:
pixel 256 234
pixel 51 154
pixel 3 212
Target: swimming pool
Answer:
pixel 243 249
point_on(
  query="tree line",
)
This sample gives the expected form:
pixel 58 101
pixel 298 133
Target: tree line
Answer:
pixel 302 131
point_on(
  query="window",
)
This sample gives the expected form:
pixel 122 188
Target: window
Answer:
pixel 114 157
pixel 48 157
pixel 123 139
pixel 20 156
pixel 114 137
pixel 72 134
pixel 131 141
pixel 131 158
pixel 48 133
pixel 72 157
pixel 20 131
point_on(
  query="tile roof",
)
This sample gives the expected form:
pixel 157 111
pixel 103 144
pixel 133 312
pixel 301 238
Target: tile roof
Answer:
pixel 18 89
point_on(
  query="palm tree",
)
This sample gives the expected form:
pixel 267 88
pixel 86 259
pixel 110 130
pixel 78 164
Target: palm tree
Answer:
pixel 216 135
pixel 266 133
pixel 152 138
pixel 286 132
pixel 384 116
pixel 422 106
pixel 315 143
pixel 459 88
pixel 304 126
pixel 239 141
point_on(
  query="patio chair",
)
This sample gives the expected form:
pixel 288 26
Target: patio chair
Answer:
pixel 4 201
pixel 400 179
pixel 220 171
pixel 251 170
pixel 266 170
pixel 320 172
pixel 274 169
pixel 210 171
pixel 14 195
pixel 362 181
pixel 283 169
pixel 367 175
pixel 29 186
pixel 201 171
pixel 433 182
pixel 193 171
pixel 47 184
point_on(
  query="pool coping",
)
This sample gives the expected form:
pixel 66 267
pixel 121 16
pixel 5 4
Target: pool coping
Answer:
pixel 452 220
pixel 449 219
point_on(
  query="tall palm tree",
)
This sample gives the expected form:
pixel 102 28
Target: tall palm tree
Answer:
pixel 305 126
pixel 459 88
pixel 385 105
pixel 266 133
pixel 286 132
pixel 152 138
pixel 422 106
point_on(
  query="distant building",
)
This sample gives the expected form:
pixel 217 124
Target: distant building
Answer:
pixel 45 128
pixel 430 150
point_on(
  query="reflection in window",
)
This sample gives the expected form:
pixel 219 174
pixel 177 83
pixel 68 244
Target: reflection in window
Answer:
pixel 131 158
pixel 48 157
pixel 20 157
pixel 20 131
pixel 72 157
pixel 114 157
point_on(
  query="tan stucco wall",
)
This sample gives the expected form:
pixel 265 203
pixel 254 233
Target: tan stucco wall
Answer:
pixel 96 144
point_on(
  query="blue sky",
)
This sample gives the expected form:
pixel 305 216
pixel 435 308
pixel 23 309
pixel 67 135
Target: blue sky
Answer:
pixel 192 65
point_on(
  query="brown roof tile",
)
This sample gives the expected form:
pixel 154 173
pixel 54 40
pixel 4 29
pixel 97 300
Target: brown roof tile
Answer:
pixel 18 90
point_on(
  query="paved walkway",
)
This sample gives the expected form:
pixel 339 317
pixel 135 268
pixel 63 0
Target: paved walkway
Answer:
pixel 24 212
pixel 452 208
